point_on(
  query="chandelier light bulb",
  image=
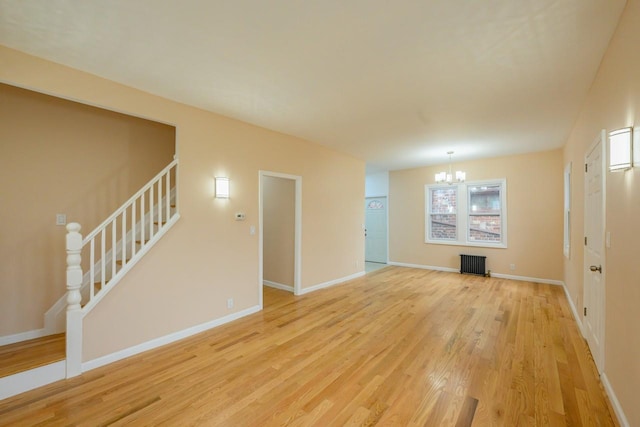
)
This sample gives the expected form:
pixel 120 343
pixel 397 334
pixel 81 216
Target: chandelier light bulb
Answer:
pixel 442 177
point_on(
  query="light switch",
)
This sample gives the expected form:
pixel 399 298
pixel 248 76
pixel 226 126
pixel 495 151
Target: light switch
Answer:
pixel 61 219
pixel 252 230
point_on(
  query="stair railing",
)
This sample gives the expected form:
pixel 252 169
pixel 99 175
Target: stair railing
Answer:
pixel 114 247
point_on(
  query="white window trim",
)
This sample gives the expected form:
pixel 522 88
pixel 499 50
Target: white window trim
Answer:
pixel 428 215
pixel 462 214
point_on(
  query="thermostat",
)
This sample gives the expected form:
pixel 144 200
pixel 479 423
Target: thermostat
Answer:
pixel 239 216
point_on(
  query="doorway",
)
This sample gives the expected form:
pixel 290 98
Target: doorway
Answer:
pixel 280 224
pixel 375 248
pixel 594 255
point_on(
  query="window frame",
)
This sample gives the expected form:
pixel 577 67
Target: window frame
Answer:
pixel 463 213
pixel 429 213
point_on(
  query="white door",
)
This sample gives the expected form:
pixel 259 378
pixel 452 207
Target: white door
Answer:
pixel 375 248
pixel 594 283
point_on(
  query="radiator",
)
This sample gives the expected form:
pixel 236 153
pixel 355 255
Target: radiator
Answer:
pixel 473 264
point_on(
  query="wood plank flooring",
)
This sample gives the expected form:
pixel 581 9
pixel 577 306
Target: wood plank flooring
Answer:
pixel 397 347
pixel 31 354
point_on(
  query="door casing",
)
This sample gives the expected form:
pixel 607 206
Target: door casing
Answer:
pixel 297 265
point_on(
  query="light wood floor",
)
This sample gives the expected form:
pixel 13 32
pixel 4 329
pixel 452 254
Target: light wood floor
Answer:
pixel 396 347
pixel 30 354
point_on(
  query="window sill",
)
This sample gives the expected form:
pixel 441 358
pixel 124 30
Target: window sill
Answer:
pixel 469 244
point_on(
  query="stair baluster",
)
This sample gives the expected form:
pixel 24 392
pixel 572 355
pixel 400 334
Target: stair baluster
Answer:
pixel 113 253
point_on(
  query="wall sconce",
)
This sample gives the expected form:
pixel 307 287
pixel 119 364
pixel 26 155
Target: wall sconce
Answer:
pixel 621 149
pixel 442 177
pixel 222 187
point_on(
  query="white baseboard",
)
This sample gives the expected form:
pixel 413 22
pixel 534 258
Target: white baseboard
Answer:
pixel 23 336
pixel 424 267
pixel 167 339
pixel 277 285
pixel 622 419
pixel 497 275
pixel 331 283
pixel 574 310
pixel 528 279
pixel 34 378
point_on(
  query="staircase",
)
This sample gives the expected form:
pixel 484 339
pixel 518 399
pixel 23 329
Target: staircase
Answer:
pixel 95 265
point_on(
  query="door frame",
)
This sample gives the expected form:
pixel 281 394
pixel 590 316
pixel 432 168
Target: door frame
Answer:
pixel 602 139
pixel 386 208
pixel 297 251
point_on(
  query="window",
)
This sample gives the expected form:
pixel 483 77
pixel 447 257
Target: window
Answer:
pixel 443 213
pixel 470 214
pixel 485 209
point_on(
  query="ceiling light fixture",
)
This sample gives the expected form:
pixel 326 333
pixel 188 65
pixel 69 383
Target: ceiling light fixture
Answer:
pixel 442 177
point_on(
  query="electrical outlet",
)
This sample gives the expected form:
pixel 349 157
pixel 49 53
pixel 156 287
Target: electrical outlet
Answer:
pixel 229 302
pixel 512 267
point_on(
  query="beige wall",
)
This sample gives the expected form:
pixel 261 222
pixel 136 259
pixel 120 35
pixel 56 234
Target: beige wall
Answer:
pixel 278 229
pixel 534 201
pixel 613 102
pixel 208 257
pixel 59 156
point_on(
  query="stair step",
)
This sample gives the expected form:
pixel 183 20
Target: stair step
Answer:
pixel 139 242
pixel 158 223
pixel 25 355
pixel 119 261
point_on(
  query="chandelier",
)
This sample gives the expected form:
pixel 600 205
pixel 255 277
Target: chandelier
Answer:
pixel 442 177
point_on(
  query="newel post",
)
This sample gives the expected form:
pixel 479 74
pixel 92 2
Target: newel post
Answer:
pixel 74 313
pixel 74 270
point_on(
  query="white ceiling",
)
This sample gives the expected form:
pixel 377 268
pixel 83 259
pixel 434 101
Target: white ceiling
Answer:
pixel 396 83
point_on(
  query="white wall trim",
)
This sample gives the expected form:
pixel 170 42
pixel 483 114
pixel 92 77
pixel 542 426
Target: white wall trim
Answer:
pixel 622 419
pixel 167 339
pixel 33 378
pixel 528 279
pixel 574 310
pixel 277 285
pixel 331 283
pixel 23 336
pixel 425 267
pixel 497 275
